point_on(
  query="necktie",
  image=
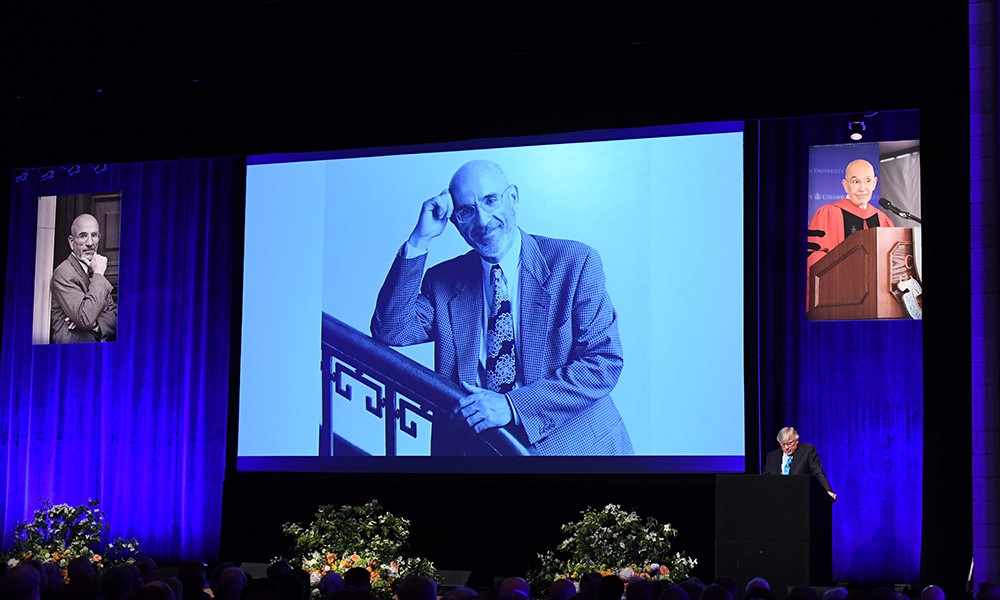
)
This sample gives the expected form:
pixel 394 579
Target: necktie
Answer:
pixel 501 366
pixel 788 466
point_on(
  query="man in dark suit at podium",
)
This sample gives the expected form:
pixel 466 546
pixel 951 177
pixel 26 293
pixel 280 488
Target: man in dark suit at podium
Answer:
pixel 794 458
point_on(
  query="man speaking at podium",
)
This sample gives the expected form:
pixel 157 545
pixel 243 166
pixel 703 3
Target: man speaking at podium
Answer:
pixel 794 458
pixel 834 222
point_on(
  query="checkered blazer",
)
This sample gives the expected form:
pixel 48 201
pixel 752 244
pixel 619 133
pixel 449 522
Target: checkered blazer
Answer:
pixel 570 353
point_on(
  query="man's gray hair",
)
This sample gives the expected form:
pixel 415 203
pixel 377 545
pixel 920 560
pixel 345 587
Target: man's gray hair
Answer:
pixel 787 433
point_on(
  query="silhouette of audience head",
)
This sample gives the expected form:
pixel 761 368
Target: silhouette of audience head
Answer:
pixel 514 588
pixel 932 592
pixel 278 568
pixel 837 593
pixel 416 587
pixel 802 592
pixel 729 583
pixel 758 589
pixel 639 589
pixel 694 587
pixel 610 587
pixel 562 589
pixel 716 592
pixel 23 582
pixel 588 584
pixel 330 584
pixel 154 590
pixel 462 592
pixel 229 584
pixel 358 578
pixel 673 592
pixel 192 575
pixel 148 569
pixel 119 582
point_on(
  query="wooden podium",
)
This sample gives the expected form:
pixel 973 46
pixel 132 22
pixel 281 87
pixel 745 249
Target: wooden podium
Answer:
pixel 773 526
pixel 855 280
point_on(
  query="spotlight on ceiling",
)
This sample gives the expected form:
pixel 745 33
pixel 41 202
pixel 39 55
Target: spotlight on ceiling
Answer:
pixel 857 129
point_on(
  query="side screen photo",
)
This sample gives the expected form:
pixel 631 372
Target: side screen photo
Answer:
pixel 864 243
pixel 77 252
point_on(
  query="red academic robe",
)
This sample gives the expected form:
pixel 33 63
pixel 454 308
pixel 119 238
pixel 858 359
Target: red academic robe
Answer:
pixel 832 223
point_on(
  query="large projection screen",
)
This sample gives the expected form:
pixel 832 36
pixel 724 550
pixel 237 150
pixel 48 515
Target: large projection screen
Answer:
pixel 663 209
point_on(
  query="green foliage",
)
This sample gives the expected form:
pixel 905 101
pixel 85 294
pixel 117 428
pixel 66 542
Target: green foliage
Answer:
pixel 613 541
pixel 342 537
pixel 60 533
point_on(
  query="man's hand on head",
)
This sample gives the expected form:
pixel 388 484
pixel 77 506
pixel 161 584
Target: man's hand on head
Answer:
pixel 434 215
pixel 483 409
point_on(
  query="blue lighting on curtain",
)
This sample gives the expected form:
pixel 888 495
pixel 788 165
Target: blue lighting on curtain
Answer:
pixel 853 388
pixel 140 423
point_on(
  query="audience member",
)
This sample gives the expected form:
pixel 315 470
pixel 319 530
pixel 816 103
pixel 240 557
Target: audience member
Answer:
pixel 588 584
pixel 514 588
pixel 694 587
pixel 802 592
pixel 416 587
pixel 462 592
pixel 23 582
pixel 191 573
pixel 148 569
pixel 262 588
pixel 358 578
pixel 330 584
pixel 716 592
pixel 229 584
pixel 931 592
pixel 278 568
pixel 562 589
pixel 294 585
pixel 730 584
pixel 639 589
pixel 118 583
pixel 673 592
pixel 610 587
pixel 837 593
pixel 154 590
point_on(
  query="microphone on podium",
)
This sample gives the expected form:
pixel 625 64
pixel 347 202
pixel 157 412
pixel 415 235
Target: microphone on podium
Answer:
pixel 889 206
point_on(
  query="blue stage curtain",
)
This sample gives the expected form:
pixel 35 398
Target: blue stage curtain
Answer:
pixel 853 388
pixel 140 423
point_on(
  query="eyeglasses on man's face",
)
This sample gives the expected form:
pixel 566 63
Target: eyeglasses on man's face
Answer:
pixel 857 181
pixel 490 203
pixel 789 443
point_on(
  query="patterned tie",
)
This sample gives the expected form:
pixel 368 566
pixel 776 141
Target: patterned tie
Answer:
pixel 501 366
pixel 788 466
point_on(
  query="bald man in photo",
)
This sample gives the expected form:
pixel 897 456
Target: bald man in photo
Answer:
pixel 522 322
pixel 83 309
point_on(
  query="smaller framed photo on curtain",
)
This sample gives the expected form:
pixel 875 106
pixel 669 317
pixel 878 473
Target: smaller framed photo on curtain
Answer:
pixel 77 257
pixel 863 238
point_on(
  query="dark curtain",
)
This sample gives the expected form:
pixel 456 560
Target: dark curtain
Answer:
pixel 140 423
pixel 854 388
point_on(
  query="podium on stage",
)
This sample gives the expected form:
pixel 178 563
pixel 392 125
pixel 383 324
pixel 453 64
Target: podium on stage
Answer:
pixel 858 278
pixel 773 526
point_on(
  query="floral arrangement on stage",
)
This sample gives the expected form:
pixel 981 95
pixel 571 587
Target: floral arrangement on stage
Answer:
pixel 343 537
pixel 611 541
pixel 61 533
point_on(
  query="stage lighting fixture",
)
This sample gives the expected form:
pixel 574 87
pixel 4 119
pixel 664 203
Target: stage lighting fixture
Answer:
pixel 857 128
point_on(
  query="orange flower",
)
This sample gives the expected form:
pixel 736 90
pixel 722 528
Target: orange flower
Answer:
pixel 96 558
pixel 374 576
pixel 331 557
pixel 355 558
pixel 664 570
